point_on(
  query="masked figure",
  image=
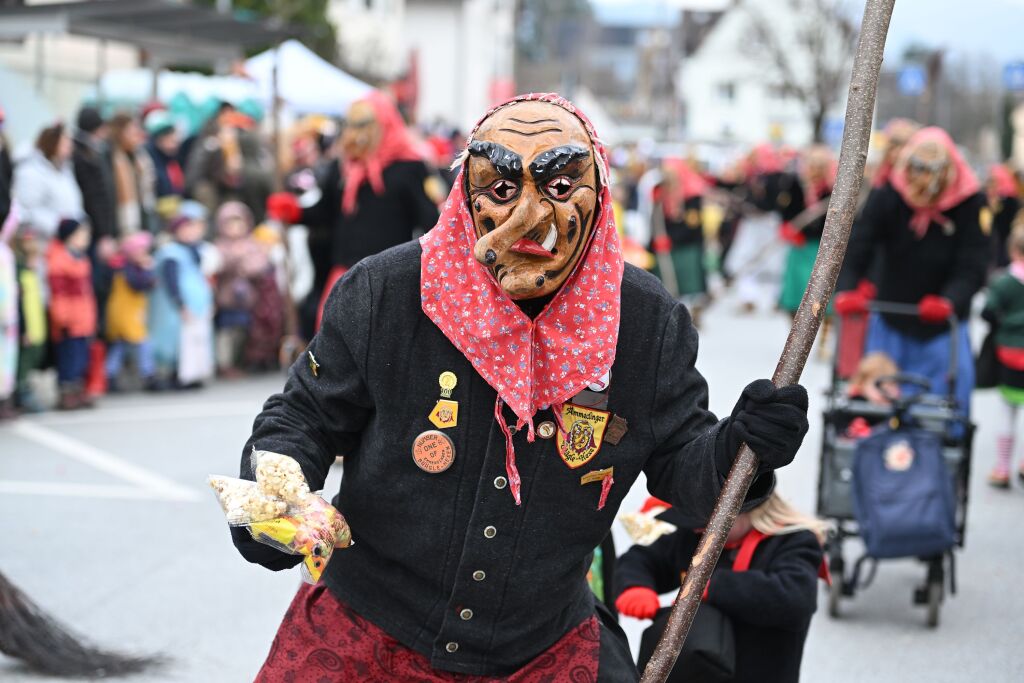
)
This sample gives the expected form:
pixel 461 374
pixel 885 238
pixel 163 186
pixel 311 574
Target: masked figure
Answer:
pixel 1004 199
pixel 375 197
pixel 681 196
pixel 768 196
pixel 818 168
pixel 449 372
pixel 927 225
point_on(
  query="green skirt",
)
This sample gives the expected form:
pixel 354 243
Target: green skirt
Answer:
pixel 799 264
pixel 688 262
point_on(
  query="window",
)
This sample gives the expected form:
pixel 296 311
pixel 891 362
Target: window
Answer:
pixel 727 91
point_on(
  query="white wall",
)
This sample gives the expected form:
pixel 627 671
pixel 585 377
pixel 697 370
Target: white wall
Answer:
pixel 70 66
pixel 754 114
pixel 463 46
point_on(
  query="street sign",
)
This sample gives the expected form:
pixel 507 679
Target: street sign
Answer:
pixel 913 80
pixel 832 131
pixel 1013 76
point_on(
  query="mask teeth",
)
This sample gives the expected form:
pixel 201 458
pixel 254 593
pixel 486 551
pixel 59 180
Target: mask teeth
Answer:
pixel 549 241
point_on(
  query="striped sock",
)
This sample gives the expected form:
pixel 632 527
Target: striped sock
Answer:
pixel 1004 450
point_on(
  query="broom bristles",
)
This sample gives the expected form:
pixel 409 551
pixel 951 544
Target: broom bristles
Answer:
pixel 30 635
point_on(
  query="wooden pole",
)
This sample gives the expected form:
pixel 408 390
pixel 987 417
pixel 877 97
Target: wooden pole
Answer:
pixel 838 223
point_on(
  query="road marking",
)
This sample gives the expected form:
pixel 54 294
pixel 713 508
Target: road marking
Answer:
pixel 150 484
pixel 153 413
pixel 54 488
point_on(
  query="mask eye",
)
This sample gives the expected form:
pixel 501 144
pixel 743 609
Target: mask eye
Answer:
pixel 560 187
pixel 503 190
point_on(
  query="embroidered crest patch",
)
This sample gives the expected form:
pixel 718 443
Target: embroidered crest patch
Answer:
pixel 584 434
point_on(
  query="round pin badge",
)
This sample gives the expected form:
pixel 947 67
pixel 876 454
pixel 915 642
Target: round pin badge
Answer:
pixel 601 383
pixel 546 430
pixel 433 451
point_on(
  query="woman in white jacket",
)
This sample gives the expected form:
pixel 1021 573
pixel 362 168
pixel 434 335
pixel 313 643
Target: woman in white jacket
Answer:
pixel 44 182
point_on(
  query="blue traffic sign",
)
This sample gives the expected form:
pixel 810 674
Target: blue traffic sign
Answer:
pixel 1013 76
pixel 913 80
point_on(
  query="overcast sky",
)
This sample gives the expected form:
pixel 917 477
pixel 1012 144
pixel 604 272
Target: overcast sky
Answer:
pixel 991 27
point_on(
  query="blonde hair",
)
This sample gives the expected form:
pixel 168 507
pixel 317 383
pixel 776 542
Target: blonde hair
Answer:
pixel 776 516
pixel 873 366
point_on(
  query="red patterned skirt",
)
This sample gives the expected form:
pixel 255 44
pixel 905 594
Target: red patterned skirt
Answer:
pixel 321 640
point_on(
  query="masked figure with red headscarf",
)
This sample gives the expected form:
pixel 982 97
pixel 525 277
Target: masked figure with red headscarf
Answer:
pixel 926 223
pixel 496 388
pixel 1004 198
pixel 769 196
pixel 680 197
pixel 376 197
pixel 818 168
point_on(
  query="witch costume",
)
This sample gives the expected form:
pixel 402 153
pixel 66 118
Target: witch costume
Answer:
pixel 490 437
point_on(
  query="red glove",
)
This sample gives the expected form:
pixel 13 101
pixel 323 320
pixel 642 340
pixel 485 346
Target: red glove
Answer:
pixel 790 234
pixel 662 244
pixel 934 309
pixel 284 206
pixel 638 602
pixel 852 302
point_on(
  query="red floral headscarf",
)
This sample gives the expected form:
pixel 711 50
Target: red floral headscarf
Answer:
pixel 395 145
pixel 532 364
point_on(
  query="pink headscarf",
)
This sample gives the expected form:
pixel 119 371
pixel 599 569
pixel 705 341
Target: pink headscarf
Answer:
pixel 395 145
pixel 764 159
pixel 1004 181
pixel 813 191
pixel 689 184
pixel 961 183
pixel 137 244
pixel 532 364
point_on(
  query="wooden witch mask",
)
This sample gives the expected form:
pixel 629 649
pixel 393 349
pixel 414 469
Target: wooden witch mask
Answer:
pixel 532 185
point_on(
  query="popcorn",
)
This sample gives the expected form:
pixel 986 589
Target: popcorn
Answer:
pixel 281 477
pixel 243 502
pixel 280 511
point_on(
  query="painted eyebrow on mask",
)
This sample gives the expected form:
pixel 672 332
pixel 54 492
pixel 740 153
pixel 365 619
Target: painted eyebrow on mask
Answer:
pixel 505 161
pixel 554 160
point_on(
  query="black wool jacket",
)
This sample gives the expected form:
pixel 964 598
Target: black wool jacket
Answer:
pixel 770 605
pixel 951 260
pixel 447 563
pixel 380 221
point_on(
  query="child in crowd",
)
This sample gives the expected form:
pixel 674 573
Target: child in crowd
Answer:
pixel 181 305
pixel 1004 310
pixel 8 318
pixel 863 385
pixel 133 277
pixel 765 583
pixel 32 315
pixel 243 263
pixel 266 331
pixel 72 310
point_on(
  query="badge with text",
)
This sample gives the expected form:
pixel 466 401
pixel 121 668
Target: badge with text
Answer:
pixel 447 380
pixel 445 414
pixel 433 452
pixel 584 433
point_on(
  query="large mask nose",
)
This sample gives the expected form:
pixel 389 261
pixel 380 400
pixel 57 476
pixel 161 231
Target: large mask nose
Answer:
pixel 531 212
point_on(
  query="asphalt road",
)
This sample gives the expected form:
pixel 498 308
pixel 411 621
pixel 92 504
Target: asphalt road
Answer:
pixel 110 526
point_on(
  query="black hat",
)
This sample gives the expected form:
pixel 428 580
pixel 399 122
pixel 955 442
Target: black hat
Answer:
pixel 67 228
pixel 89 119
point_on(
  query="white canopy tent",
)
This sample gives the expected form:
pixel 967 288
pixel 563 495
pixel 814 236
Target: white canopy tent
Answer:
pixel 306 84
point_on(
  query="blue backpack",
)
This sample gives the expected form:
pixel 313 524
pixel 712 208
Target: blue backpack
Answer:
pixel 903 494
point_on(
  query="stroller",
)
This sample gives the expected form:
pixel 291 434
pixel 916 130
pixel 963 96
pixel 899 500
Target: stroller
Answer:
pixel 934 423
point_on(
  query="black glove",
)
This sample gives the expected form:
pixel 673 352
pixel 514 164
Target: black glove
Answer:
pixel 771 421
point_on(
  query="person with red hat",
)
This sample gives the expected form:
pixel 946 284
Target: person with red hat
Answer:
pixel 496 387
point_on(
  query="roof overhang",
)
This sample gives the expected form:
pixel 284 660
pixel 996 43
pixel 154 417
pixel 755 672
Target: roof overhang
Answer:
pixel 170 31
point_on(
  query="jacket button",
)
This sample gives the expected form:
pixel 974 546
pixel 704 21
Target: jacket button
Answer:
pixel 466 614
pixel 479 575
pixel 500 482
pixel 451 647
pixel 490 532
